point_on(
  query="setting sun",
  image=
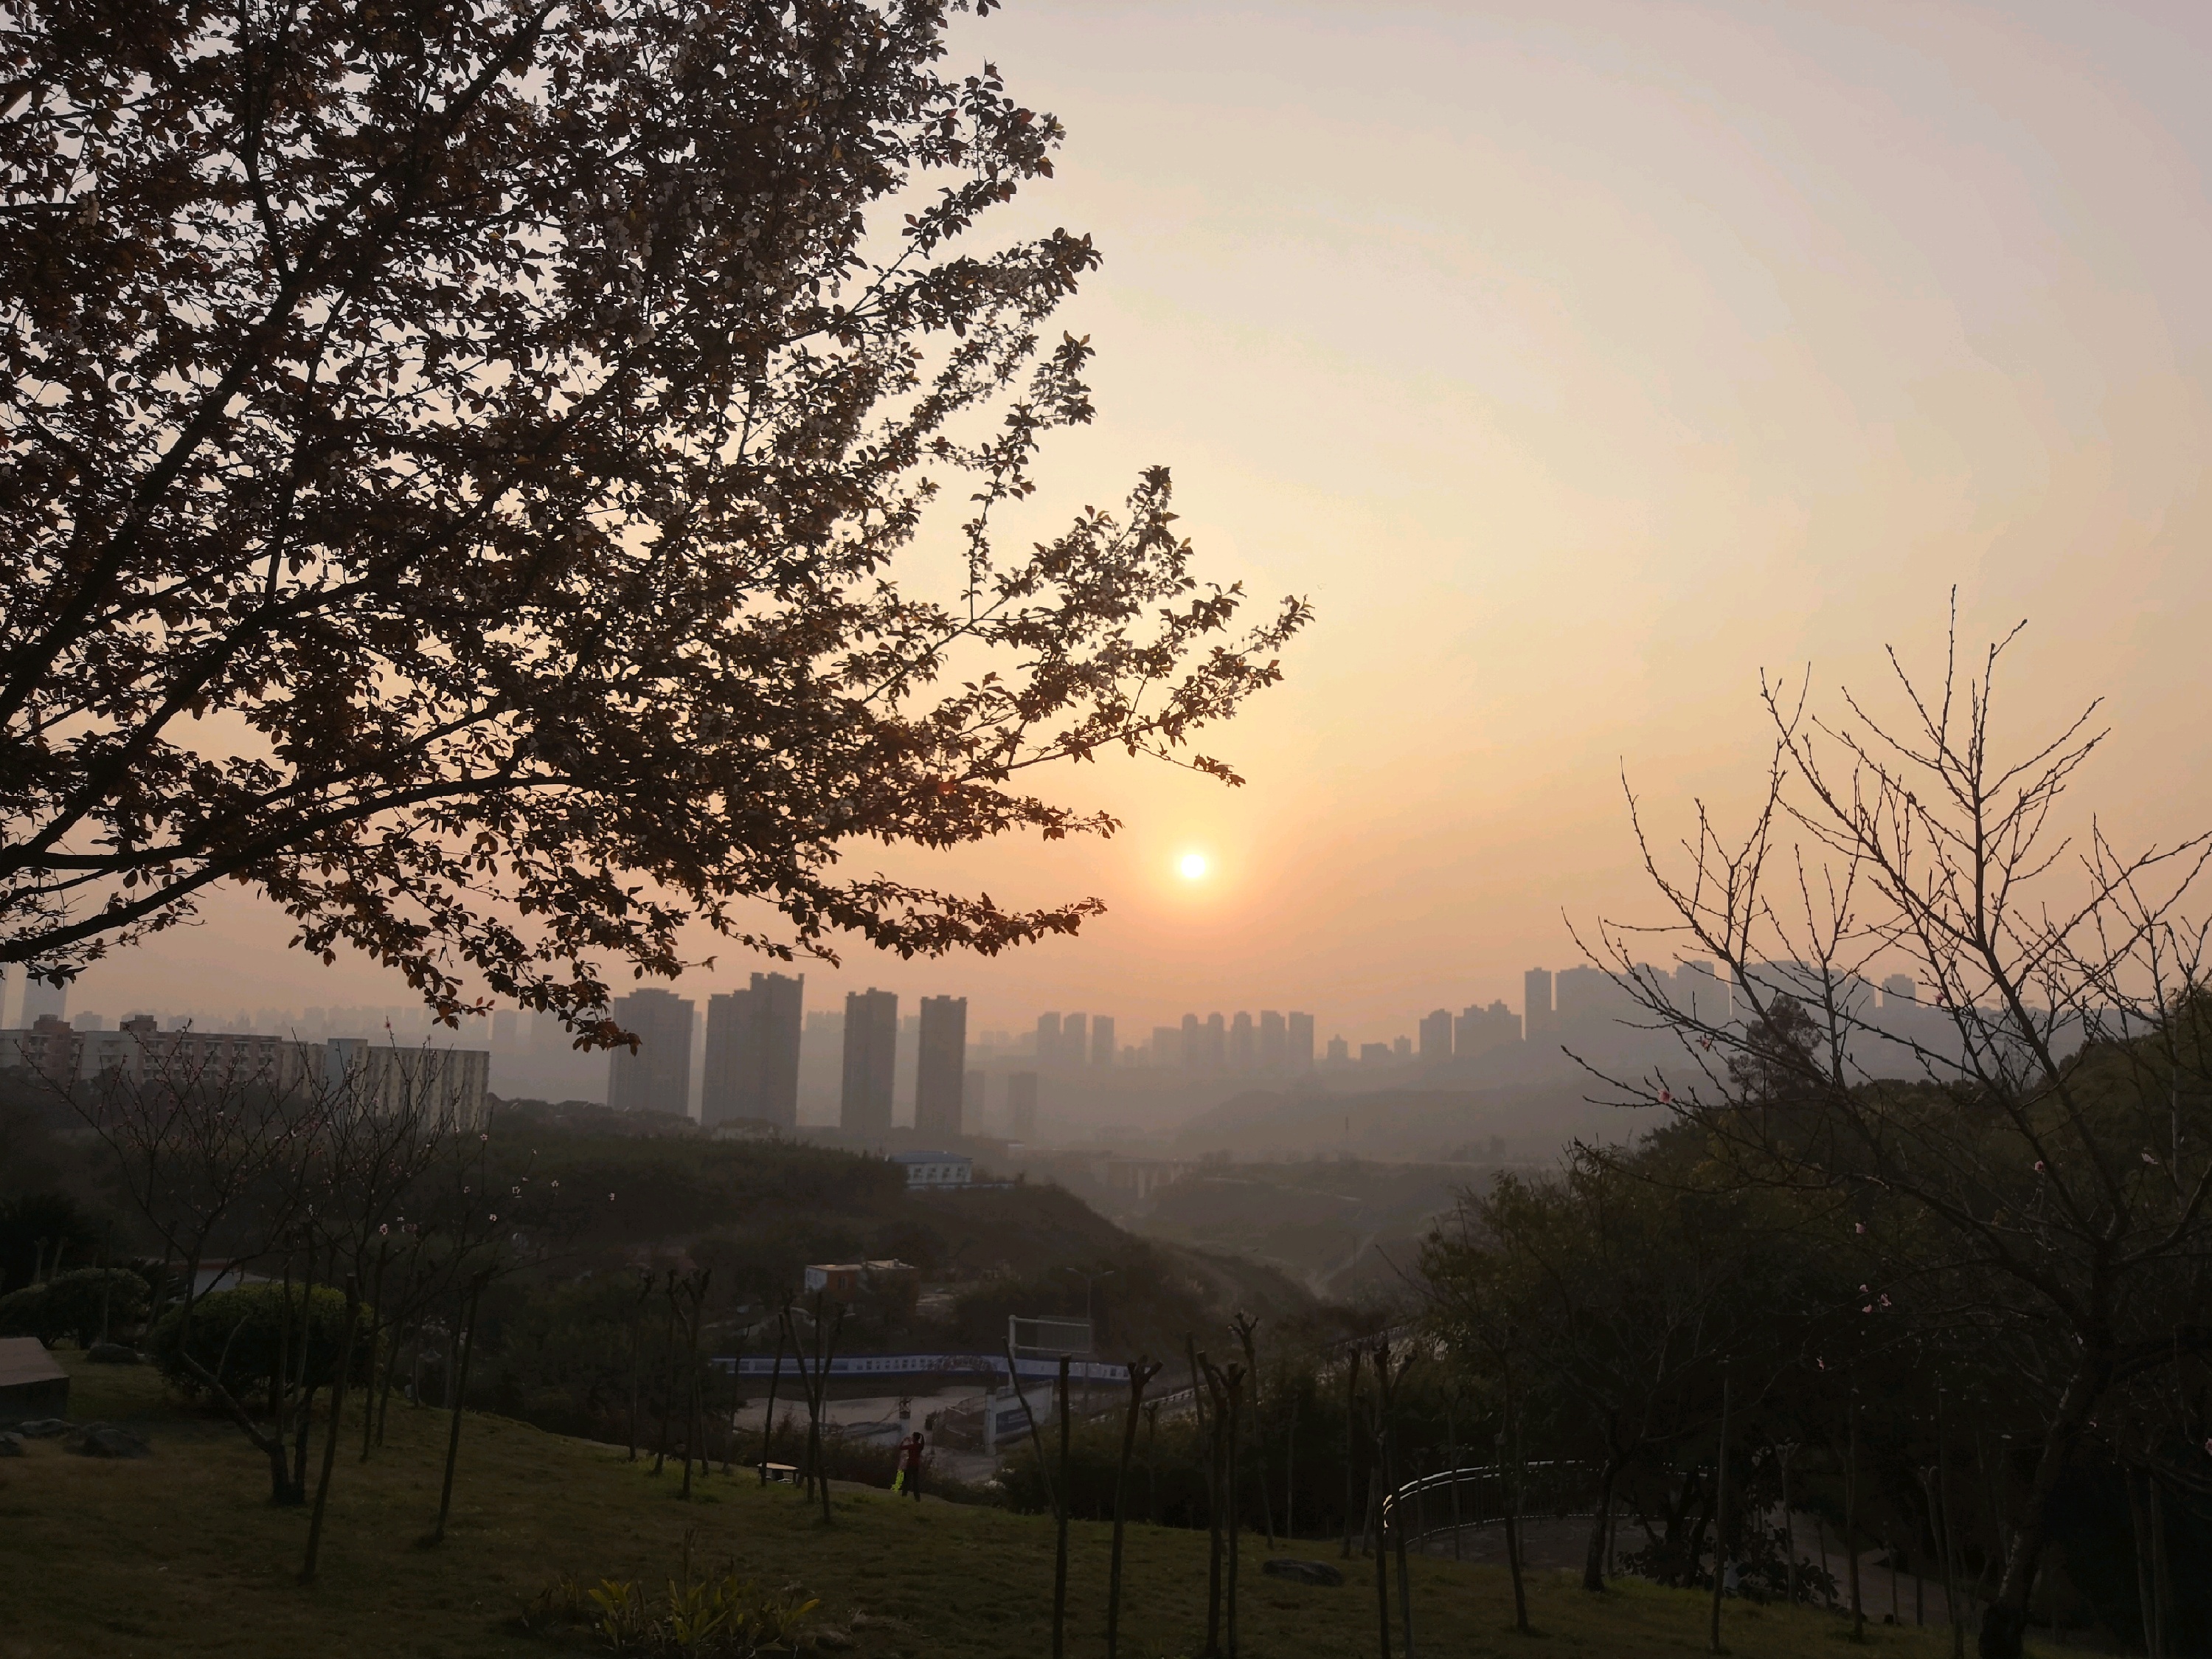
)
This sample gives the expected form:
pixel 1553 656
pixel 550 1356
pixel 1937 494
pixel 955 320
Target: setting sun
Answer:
pixel 1192 865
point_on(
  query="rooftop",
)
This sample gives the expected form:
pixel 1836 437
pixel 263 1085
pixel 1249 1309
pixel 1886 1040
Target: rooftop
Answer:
pixel 25 1360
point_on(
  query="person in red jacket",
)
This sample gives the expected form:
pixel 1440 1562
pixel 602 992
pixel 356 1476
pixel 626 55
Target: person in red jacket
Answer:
pixel 910 1466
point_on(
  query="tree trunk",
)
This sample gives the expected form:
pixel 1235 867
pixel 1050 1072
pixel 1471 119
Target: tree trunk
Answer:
pixel 281 1490
pixel 690 1429
pixel 1351 1446
pixel 1949 1535
pixel 1060 1529
pixel 767 1423
pixel 468 1345
pixel 1245 1328
pixel 1140 1373
pixel 1788 1530
pixel 1235 1392
pixel 1720 1512
pixel 826 1352
pixel 302 1430
pixel 381 1354
pixel 1594 1555
pixel 668 1380
pixel 637 1364
pixel 1210 1446
pixel 1685 1563
pixel 2145 1583
pixel 1397 1531
pixel 692 1407
pixel 391 1369
pixel 2161 1578
pixel 330 1437
pixel 2004 1620
pixel 375 1335
pixel 1851 1522
pixel 303 1383
pixel 1509 1445
pixel 1451 1458
pixel 1152 1464
pixel 1381 1557
pixel 729 1418
pixel 803 1475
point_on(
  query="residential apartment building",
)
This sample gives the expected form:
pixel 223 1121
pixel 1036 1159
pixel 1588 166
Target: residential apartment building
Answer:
pixel 1536 1004
pixel 753 1045
pixel 657 1076
pixel 871 1061
pixel 940 1071
pixel 1022 1105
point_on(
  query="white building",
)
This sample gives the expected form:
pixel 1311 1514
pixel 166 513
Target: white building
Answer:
pixel 935 1169
pixel 383 1076
pixel 448 1082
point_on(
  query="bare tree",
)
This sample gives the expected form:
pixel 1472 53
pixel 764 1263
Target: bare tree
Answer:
pixel 379 1153
pixel 1209 1441
pixel 814 1383
pixel 221 1155
pixel 2024 1138
pixel 1142 1370
pixel 1224 1385
pixel 1246 1326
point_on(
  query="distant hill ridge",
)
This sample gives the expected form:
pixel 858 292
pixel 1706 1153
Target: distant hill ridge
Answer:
pixel 1533 1121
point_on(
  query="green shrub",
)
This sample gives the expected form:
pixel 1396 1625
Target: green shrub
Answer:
pixel 23 1313
pixel 240 1330
pixel 724 1615
pixel 75 1305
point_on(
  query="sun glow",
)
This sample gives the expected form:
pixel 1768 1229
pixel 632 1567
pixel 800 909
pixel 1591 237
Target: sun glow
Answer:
pixel 1192 865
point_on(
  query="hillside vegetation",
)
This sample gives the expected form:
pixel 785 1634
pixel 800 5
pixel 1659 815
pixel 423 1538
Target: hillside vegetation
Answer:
pixel 1431 1119
pixel 1347 1229
pixel 757 1212
pixel 180 1554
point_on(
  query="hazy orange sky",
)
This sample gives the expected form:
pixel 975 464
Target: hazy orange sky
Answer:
pixel 1578 360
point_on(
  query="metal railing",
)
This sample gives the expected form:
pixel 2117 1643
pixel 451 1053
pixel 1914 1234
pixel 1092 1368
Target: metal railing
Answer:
pixel 1484 1495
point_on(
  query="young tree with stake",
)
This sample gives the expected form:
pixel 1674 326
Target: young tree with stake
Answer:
pixel 1142 1370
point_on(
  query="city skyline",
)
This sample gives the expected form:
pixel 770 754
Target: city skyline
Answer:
pixel 1055 1038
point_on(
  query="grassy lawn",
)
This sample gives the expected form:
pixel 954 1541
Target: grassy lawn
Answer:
pixel 180 1554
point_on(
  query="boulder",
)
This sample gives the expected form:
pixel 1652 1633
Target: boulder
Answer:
pixel 11 1445
pixel 45 1428
pixel 106 1440
pixel 1302 1572
pixel 113 1353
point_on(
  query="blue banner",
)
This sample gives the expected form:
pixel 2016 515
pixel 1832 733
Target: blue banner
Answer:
pixel 929 1364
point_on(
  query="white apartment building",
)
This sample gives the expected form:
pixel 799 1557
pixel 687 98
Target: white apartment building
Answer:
pixel 384 1077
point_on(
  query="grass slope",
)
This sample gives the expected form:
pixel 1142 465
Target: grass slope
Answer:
pixel 180 1555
